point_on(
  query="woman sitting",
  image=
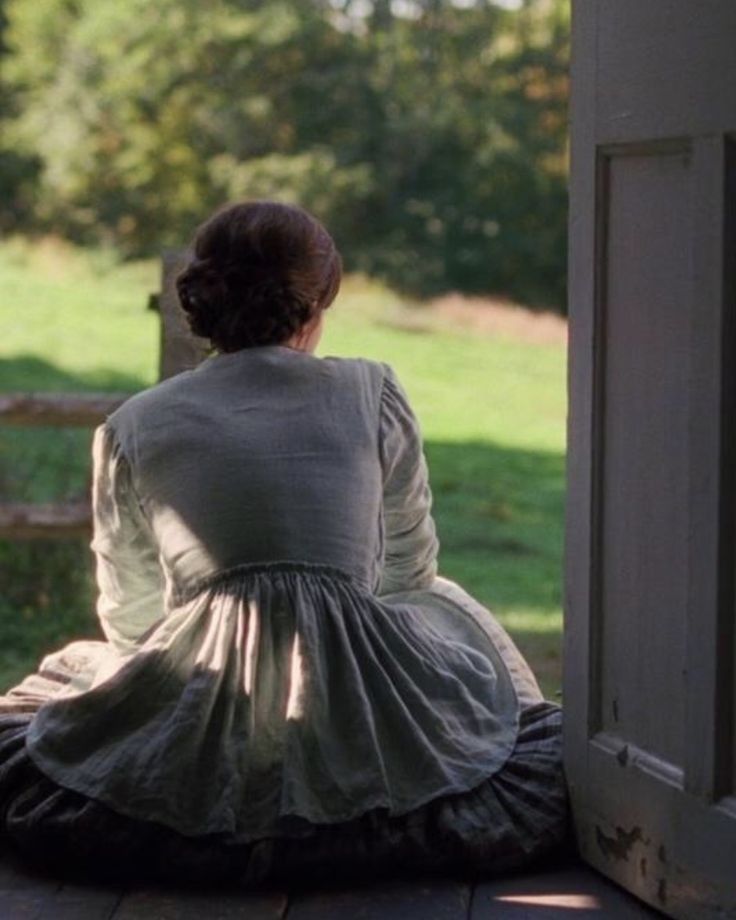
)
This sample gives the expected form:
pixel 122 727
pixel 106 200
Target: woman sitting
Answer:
pixel 288 690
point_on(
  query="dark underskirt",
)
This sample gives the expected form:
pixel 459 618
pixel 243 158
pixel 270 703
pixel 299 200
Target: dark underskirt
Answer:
pixel 516 818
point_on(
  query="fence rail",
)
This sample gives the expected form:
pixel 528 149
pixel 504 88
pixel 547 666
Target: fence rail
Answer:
pixel 178 350
pixel 60 410
pixel 22 521
pixel 58 520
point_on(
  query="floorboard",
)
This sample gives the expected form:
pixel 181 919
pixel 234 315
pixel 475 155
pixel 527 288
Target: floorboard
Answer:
pixel 420 899
pixel 195 905
pixel 25 894
pixel 569 889
pixel 81 902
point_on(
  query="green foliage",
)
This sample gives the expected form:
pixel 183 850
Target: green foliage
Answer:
pixel 18 173
pixel 48 593
pixel 430 136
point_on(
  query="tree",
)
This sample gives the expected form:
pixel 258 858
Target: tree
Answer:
pixel 430 136
pixel 18 173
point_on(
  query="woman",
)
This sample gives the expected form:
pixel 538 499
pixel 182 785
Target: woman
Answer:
pixel 288 691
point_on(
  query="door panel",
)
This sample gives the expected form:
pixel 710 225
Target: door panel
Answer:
pixel 650 637
pixel 642 404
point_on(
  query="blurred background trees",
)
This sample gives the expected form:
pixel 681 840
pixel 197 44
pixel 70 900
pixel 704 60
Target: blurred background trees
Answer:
pixel 430 135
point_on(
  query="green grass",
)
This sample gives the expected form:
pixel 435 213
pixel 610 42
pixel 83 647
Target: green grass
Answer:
pixel 492 411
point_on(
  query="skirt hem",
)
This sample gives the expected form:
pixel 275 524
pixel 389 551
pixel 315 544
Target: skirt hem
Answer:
pixel 512 819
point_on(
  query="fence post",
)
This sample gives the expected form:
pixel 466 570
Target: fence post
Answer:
pixel 179 349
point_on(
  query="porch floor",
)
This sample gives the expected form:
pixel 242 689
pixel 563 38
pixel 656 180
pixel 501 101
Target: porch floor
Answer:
pixel 566 888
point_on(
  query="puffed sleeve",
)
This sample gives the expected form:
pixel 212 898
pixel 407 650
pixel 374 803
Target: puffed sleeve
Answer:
pixel 129 576
pixel 411 544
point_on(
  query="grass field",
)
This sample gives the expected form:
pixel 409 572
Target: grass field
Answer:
pixel 491 407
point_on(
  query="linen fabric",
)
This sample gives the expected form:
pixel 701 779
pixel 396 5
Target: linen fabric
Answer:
pixel 280 650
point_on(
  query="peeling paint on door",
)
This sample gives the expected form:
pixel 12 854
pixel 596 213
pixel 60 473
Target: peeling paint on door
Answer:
pixel 619 846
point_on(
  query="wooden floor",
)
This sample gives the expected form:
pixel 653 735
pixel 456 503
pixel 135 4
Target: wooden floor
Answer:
pixel 567 889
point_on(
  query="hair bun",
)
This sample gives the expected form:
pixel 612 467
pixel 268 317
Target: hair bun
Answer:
pixel 260 271
pixel 203 293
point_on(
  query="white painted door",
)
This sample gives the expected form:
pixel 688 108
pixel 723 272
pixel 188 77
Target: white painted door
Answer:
pixel 650 650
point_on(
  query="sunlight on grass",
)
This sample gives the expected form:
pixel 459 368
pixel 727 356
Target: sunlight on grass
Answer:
pixel 491 409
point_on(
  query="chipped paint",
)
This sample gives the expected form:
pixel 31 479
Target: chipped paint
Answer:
pixel 619 846
pixel 643 866
pixel 614 706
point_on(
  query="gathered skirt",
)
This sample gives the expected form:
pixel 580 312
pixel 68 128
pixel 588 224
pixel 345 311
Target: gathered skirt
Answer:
pixel 515 818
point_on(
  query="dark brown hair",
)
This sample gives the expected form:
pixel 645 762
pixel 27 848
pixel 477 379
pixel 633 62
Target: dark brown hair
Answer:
pixel 260 270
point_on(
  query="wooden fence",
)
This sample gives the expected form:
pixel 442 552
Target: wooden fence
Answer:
pixel 178 350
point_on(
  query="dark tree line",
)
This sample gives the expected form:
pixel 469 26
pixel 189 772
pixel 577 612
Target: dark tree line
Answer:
pixel 430 135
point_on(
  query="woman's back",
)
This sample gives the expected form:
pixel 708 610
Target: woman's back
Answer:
pixel 282 659
pixel 283 497
pixel 263 454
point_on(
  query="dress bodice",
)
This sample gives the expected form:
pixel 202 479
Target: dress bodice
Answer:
pixel 264 454
pixel 261 454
